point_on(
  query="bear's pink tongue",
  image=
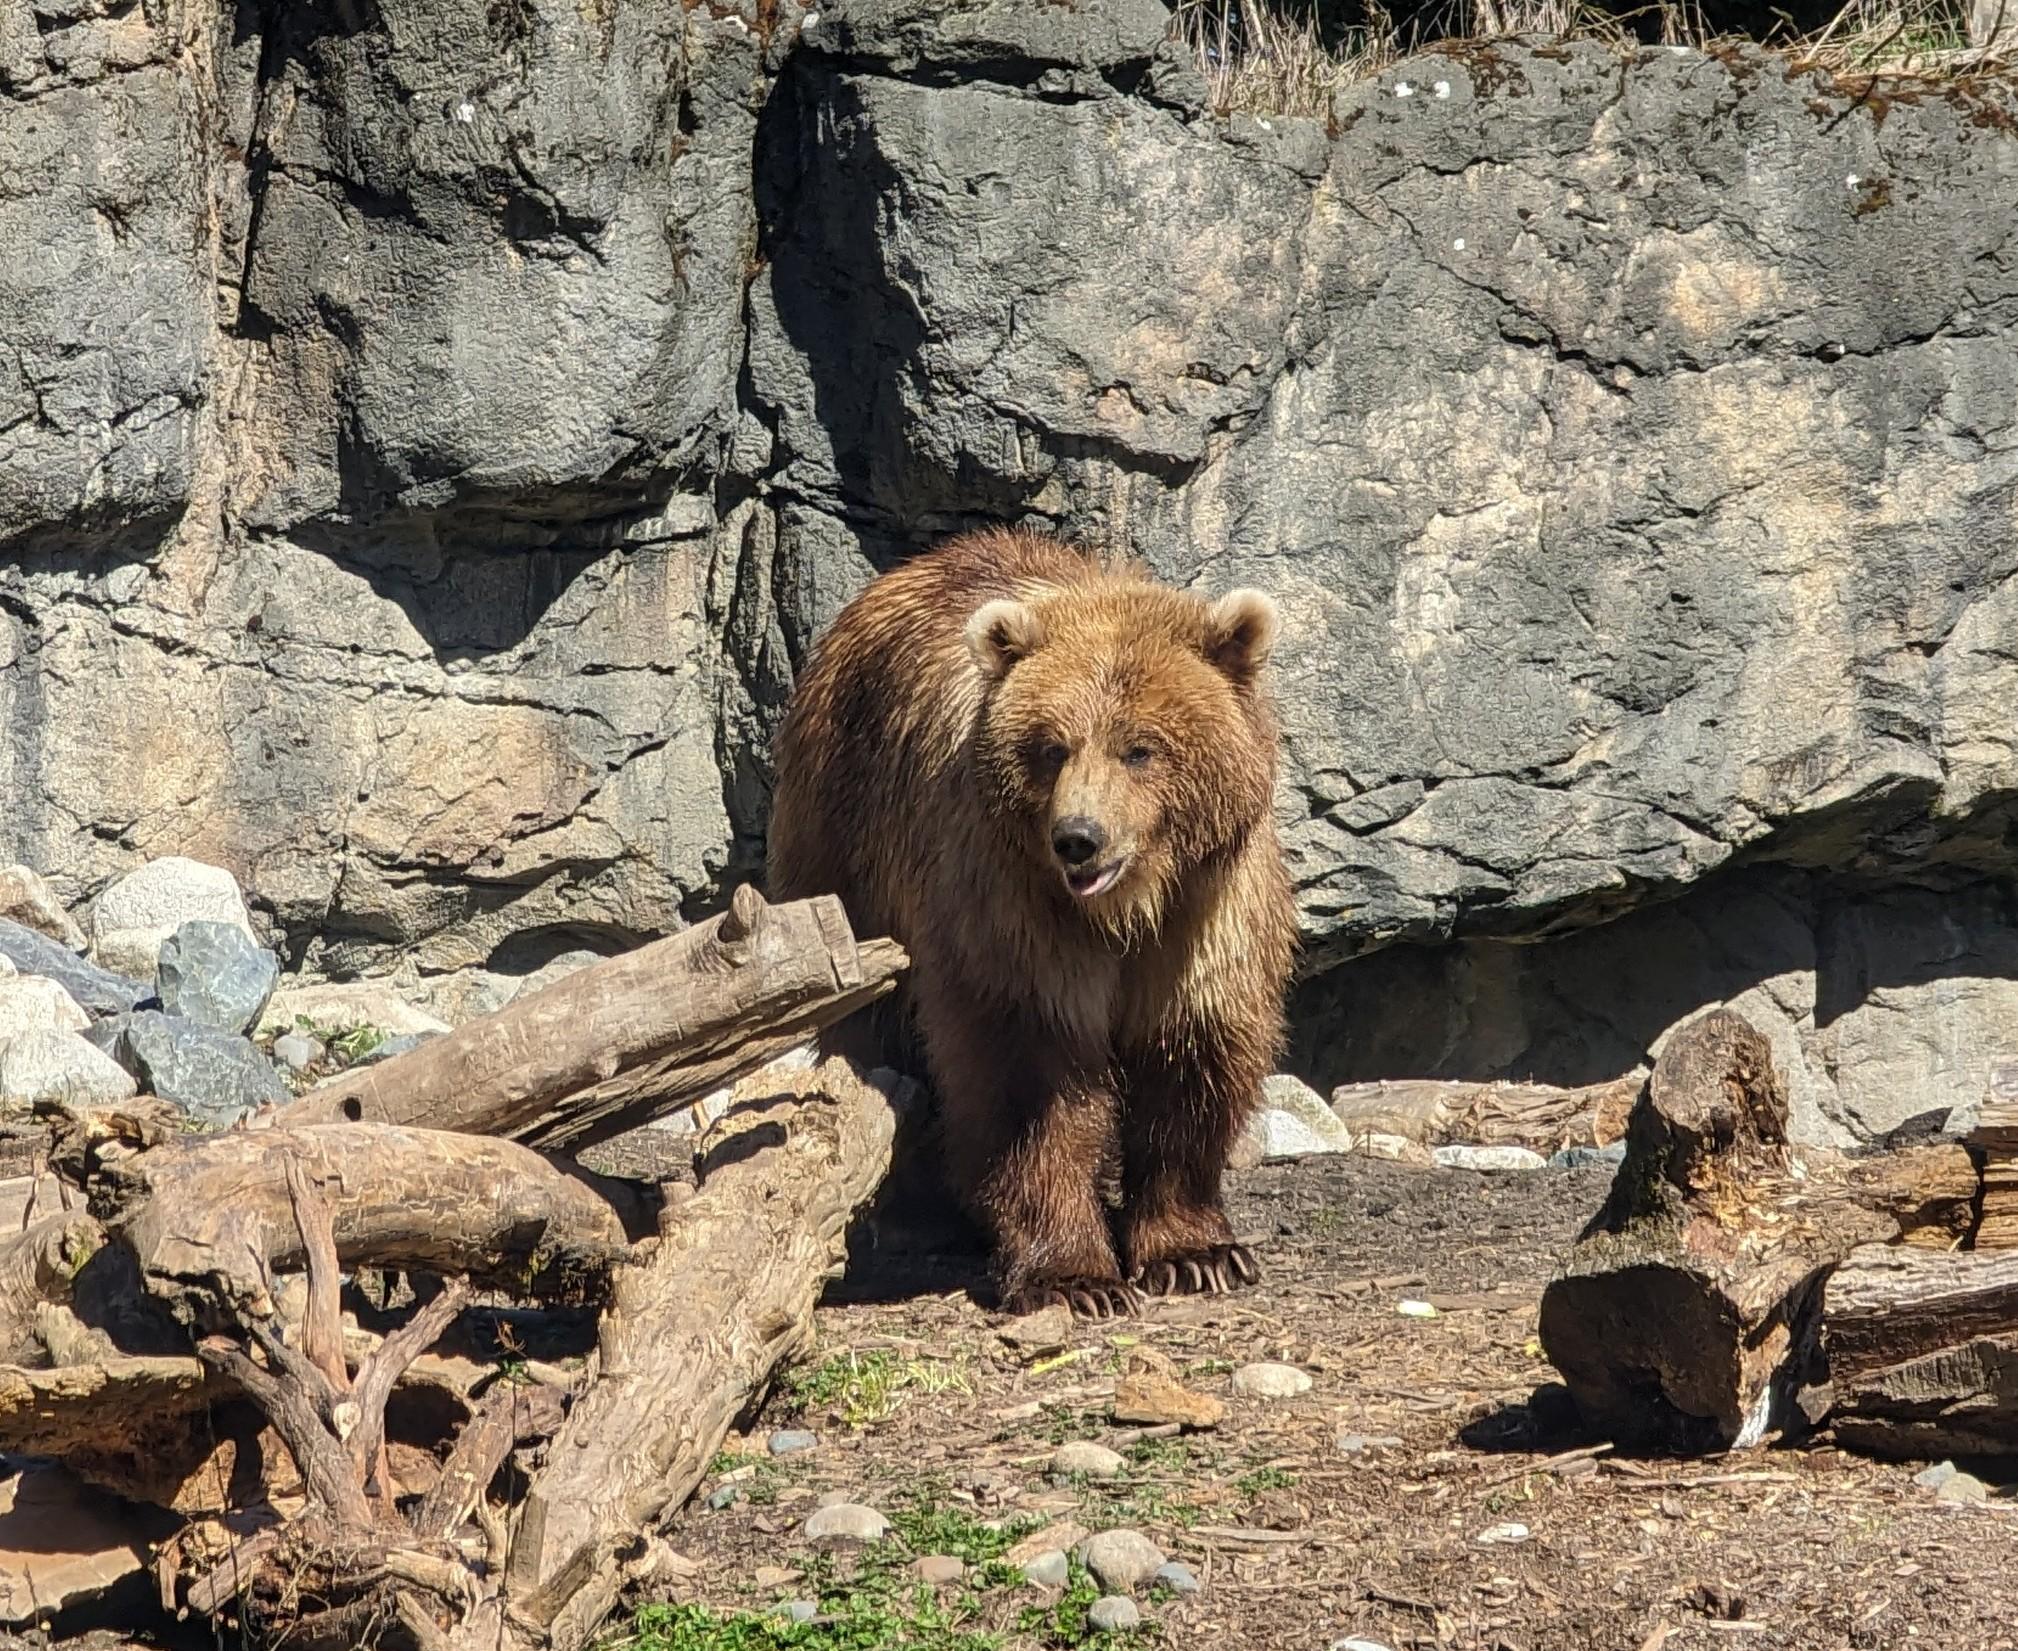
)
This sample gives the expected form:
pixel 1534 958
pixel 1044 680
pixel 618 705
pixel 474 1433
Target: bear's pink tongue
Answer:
pixel 1086 884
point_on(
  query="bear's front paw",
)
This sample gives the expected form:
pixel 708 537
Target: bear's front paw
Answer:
pixel 1092 1298
pixel 1210 1271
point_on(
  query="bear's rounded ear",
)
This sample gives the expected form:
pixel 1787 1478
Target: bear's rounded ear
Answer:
pixel 1239 631
pixel 1002 632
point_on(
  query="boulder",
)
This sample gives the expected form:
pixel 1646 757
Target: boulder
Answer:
pixel 216 975
pixel 30 901
pixel 137 915
pixel 97 991
pixel 49 1065
pixel 214 1077
pixel 30 1003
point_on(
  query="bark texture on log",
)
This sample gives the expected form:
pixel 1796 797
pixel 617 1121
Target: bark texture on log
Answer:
pixel 692 1333
pixel 210 1218
pixel 1687 1315
pixel 1923 1352
pixel 37 1267
pixel 631 1038
pixel 133 1426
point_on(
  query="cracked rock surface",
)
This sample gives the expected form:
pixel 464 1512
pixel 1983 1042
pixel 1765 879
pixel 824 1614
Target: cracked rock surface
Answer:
pixel 434 431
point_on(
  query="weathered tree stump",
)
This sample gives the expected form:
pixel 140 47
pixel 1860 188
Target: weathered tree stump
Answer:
pixel 1687 1315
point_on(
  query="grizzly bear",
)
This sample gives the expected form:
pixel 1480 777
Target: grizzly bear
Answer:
pixel 1052 782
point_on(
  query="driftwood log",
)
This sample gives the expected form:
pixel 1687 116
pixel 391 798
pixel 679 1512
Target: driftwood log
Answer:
pixel 610 1047
pixel 209 1218
pixel 181 1335
pixel 1688 1314
pixel 1923 1352
pixel 693 1334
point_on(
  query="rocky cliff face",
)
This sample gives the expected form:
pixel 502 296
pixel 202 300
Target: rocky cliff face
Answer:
pixel 430 431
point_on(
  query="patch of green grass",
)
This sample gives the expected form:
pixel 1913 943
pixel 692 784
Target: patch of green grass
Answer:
pixel 353 1043
pixel 1263 1480
pixel 862 1389
pixel 927 1527
pixel 860 1621
pixel 1173 1455
pixel 1065 1422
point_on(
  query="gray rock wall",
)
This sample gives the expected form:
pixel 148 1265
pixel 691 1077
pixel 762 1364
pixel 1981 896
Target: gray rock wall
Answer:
pixel 433 430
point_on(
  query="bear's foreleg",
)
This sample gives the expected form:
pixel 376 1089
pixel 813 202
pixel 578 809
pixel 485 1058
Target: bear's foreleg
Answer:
pixel 1185 1099
pixel 1027 1138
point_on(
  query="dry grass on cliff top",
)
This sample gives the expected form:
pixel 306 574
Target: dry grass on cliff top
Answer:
pixel 1257 59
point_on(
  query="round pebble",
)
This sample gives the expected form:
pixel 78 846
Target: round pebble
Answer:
pixel 847 1522
pixel 1050 1570
pixel 724 1496
pixel 1094 1461
pixel 789 1441
pixel 796 1610
pixel 1494 1536
pixel 1177 1576
pixel 1270 1381
pixel 940 1568
pixel 1120 1560
pixel 1113 1614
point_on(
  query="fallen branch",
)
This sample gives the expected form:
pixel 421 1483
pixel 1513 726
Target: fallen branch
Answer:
pixel 724 1298
pixel 634 1037
pixel 209 1219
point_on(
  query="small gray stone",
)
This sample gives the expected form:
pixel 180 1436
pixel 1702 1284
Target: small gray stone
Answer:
pixel 56 1065
pixel 215 975
pixel 1080 1457
pixel 1120 1560
pixel 30 1003
pixel 1358 1444
pixel 214 1077
pixel 723 1497
pixel 796 1610
pixel 97 991
pixel 1178 1577
pixel 1113 1614
pixel 1950 1484
pixel 1292 1122
pixel 1584 1157
pixel 940 1569
pixel 1357 1645
pixel 1048 1570
pixel 847 1522
pixel 26 898
pixel 1270 1381
pixel 789 1441
pixel 1488 1158
pixel 297 1051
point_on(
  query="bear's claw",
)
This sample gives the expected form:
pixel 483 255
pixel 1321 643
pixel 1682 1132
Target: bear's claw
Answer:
pixel 1093 1298
pixel 1214 1272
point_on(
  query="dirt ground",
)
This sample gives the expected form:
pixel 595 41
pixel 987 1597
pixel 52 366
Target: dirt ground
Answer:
pixel 1362 1509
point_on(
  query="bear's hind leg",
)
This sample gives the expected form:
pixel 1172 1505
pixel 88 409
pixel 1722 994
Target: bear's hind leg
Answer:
pixel 1026 1140
pixel 1186 1100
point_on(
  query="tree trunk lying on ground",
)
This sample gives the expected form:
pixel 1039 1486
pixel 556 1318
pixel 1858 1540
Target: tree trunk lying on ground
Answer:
pixel 368 1534
pixel 1923 1352
pixel 609 1048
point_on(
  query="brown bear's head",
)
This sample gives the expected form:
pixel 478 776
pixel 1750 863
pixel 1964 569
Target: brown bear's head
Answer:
pixel 1126 734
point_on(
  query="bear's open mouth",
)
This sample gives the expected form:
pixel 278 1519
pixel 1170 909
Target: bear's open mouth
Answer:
pixel 1087 881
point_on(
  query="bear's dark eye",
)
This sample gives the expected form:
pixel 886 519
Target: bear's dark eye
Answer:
pixel 1137 755
pixel 1051 755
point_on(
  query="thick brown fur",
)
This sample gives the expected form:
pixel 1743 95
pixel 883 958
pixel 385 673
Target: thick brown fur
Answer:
pixel 961 719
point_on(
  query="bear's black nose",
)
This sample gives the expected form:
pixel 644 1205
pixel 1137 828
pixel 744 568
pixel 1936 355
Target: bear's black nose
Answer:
pixel 1077 839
